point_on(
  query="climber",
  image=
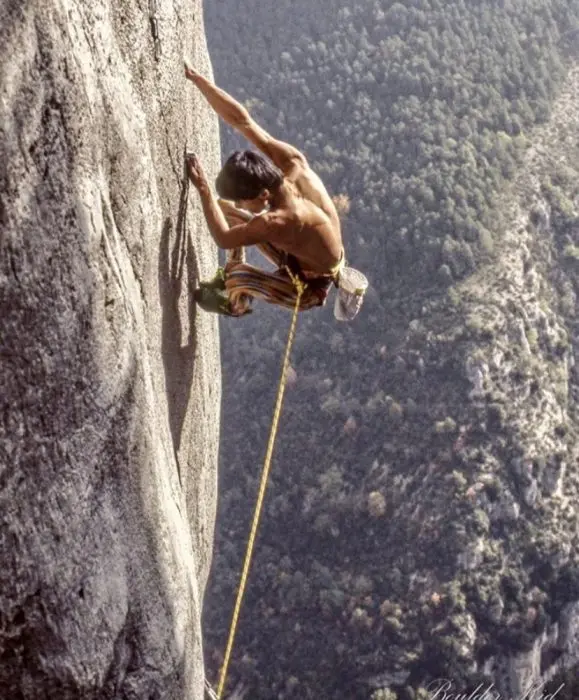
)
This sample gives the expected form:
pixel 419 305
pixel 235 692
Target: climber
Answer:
pixel 276 203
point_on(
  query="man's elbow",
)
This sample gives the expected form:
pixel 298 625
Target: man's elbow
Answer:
pixel 220 241
pixel 223 241
pixel 240 118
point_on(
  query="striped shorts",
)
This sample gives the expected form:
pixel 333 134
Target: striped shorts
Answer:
pixel 245 282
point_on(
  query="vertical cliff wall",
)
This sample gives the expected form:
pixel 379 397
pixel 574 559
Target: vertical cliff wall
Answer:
pixel 110 382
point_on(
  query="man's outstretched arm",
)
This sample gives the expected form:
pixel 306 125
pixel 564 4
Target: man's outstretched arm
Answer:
pixel 226 106
pixel 282 154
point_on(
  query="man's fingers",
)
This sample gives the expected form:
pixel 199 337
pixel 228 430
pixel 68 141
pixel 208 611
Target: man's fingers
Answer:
pixel 192 160
pixel 194 169
pixel 190 72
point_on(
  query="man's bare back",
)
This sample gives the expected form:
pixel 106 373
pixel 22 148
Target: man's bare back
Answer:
pixel 310 226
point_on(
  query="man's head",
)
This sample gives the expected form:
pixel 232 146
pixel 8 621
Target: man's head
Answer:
pixel 249 180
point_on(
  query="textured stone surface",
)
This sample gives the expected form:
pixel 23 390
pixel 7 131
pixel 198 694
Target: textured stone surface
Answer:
pixel 110 382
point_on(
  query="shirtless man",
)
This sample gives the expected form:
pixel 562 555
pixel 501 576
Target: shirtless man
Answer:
pixel 293 220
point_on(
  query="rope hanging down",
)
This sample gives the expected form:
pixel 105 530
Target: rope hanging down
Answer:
pixel 300 287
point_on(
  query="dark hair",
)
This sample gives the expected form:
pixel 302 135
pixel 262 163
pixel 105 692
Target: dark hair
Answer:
pixel 245 174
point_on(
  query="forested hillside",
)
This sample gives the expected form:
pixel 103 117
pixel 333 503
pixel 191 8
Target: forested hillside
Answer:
pixel 416 111
pixel 401 541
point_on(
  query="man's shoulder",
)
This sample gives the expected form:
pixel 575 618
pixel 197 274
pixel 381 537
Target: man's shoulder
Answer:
pixel 277 218
pixel 274 222
pixel 310 187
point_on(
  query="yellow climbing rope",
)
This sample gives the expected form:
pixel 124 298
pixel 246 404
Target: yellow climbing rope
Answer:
pixel 300 287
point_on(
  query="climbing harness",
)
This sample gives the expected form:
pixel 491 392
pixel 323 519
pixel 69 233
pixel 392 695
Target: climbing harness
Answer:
pixel 154 22
pixel 300 287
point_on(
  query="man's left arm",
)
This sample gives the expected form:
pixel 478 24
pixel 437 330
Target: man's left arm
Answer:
pixel 255 231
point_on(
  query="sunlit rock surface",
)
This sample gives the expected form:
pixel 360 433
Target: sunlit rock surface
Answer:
pixel 110 380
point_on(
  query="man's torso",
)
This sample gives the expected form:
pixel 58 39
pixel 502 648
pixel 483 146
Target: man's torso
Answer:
pixel 310 229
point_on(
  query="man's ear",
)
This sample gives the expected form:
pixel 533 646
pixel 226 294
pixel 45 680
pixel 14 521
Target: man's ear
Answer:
pixel 264 195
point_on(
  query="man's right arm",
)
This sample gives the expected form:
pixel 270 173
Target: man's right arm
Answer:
pixel 234 215
pixel 285 156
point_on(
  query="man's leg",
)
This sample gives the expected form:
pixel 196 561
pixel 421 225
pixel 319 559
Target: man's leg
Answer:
pixel 234 217
pixel 211 295
pixel 236 256
pixel 273 287
pixel 242 282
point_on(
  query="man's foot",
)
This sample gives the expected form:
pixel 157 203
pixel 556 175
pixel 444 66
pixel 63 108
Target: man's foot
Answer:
pixel 215 301
pixel 218 281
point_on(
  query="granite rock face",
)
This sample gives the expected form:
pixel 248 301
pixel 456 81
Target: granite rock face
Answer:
pixel 110 381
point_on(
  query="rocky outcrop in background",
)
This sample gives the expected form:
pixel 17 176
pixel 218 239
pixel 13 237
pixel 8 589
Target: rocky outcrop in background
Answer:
pixel 110 382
